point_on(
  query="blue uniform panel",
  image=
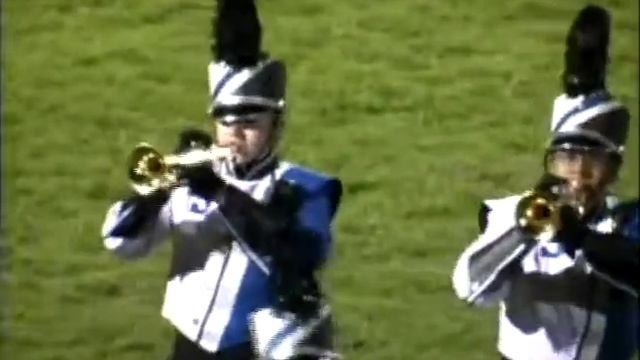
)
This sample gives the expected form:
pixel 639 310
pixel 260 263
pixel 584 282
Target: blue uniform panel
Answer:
pixel 631 228
pixel 622 335
pixel 321 196
pixel 316 184
pixel 254 294
pixel 321 200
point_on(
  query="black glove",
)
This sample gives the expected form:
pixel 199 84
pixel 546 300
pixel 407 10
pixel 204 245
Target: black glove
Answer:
pixel 296 292
pixel 201 179
pixel 573 230
pixel 550 184
pixel 190 139
pixel 141 210
pixel 293 272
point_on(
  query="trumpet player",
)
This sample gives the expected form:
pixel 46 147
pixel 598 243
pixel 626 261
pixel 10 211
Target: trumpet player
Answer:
pixel 563 260
pixel 250 231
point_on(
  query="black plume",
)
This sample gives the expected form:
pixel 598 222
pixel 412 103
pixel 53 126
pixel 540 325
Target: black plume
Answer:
pixel 586 55
pixel 237 33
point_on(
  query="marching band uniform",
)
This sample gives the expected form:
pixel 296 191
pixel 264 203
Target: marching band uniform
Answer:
pixel 564 299
pixel 220 273
pixel 575 295
pixel 247 239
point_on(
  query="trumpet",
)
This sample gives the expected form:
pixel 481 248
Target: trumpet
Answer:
pixel 538 213
pixel 150 170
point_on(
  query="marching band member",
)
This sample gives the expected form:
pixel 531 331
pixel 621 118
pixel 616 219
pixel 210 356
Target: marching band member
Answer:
pixel 250 230
pixel 563 260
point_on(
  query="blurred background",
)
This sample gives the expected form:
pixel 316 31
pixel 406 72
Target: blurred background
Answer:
pixel 421 107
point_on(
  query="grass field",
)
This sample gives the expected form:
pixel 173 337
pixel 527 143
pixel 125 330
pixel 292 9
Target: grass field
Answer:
pixel 422 107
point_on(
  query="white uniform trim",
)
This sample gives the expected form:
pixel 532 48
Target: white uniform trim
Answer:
pixel 575 121
pixel 503 218
pixel 223 304
pixel 279 335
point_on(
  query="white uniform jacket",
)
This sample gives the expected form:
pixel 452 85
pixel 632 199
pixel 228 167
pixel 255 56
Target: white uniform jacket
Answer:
pixel 217 279
pixel 555 303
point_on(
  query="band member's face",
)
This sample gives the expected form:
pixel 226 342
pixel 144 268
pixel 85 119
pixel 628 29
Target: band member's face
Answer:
pixel 588 171
pixel 248 140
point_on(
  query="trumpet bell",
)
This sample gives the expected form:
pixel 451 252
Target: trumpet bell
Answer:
pixel 145 162
pixel 537 213
pixel 148 170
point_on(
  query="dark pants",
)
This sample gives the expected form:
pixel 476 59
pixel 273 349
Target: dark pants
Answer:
pixel 185 349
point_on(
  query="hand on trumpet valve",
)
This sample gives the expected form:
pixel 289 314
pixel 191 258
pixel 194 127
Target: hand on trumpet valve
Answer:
pixel 551 184
pixel 195 147
pixel 572 227
pixel 190 139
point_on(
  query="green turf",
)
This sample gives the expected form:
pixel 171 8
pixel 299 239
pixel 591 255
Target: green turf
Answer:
pixel 422 107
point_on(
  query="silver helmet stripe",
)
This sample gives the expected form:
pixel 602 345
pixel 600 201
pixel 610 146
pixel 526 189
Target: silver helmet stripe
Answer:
pixel 229 74
pixel 237 80
pixel 225 82
pixel 575 121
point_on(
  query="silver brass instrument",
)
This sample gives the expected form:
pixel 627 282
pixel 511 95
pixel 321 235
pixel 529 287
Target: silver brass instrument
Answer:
pixel 149 170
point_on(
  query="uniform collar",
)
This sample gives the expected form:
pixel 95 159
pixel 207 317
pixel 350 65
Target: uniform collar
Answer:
pixel 602 219
pixel 253 170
